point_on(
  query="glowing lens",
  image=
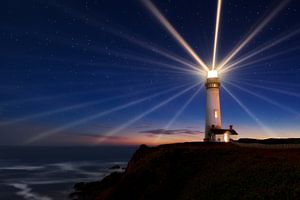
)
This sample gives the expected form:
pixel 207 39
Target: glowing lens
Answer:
pixel 212 74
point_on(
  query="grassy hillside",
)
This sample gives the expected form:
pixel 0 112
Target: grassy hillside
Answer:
pixel 201 171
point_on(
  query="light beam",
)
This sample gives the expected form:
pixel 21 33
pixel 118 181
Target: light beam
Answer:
pixel 260 26
pixel 128 37
pixel 69 108
pixel 95 116
pixel 155 49
pixel 166 24
pixel 262 48
pixel 216 33
pixel 267 130
pixel 265 58
pixel 135 119
pixel 183 108
pixel 271 101
pixel 273 89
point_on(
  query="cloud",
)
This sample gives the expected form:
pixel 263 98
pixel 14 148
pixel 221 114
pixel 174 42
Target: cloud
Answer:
pixel 98 136
pixel 171 132
pixel 75 138
pixel 144 125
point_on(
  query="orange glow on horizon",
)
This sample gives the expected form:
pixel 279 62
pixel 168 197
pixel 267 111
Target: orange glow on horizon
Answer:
pixel 136 139
pixel 147 139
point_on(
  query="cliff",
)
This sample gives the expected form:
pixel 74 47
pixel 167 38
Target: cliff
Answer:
pixel 201 171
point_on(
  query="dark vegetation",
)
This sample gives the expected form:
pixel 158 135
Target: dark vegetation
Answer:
pixel 191 171
pixel 271 141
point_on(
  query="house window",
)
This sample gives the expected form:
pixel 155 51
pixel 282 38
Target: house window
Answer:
pixel 216 114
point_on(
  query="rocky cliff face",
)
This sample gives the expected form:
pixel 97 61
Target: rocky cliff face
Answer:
pixel 201 171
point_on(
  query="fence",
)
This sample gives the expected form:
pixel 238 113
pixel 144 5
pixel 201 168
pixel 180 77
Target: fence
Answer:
pixel 268 146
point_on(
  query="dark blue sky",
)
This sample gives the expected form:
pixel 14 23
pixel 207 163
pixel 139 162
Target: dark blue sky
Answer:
pixel 76 72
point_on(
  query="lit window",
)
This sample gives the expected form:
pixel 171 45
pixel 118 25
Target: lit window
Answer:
pixel 216 114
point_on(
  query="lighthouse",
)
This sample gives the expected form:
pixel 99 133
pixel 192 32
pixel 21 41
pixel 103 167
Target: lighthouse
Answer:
pixel 213 120
pixel 213 110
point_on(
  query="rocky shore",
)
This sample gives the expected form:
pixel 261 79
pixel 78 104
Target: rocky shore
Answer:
pixel 188 171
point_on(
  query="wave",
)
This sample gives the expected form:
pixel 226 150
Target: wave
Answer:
pixel 64 166
pixel 23 167
pixel 28 183
pixel 57 181
pixel 77 167
pixel 69 166
pixel 26 192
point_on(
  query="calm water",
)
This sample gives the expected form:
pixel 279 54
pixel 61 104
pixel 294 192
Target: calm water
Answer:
pixel 49 173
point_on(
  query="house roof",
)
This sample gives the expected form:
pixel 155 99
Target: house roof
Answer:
pixel 222 131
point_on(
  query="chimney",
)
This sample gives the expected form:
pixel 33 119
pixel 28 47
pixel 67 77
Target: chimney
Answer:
pixel 230 127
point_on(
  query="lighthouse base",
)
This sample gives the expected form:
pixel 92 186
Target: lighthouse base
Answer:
pixel 221 135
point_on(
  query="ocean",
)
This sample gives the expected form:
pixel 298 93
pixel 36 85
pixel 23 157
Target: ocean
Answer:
pixel 49 173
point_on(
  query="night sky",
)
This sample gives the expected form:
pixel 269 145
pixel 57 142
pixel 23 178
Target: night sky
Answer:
pixel 94 72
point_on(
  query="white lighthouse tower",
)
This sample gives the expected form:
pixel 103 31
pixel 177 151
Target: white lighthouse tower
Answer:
pixel 213 122
pixel 213 110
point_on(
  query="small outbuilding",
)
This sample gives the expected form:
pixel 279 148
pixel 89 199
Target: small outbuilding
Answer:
pixel 222 135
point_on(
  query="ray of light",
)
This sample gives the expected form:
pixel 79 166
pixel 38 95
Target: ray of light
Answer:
pixel 152 8
pixel 147 112
pixel 63 95
pixel 271 89
pixel 135 41
pixel 216 33
pixel 266 129
pixel 122 35
pixel 49 97
pixel 264 71
pixel 75 106
pixel 272 82
pixel 265 58
pixel 168 68
pixel 123 56
pixel 262 48
pixel 271 101
pixel 144 45
pixel 159 63
pixel 256 30
pixel 185 105
pixel 97 115
pixel 157 50
pixel 179 112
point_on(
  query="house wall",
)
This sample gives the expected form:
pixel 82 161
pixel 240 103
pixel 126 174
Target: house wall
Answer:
pixel 221 137
pixel 234 137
